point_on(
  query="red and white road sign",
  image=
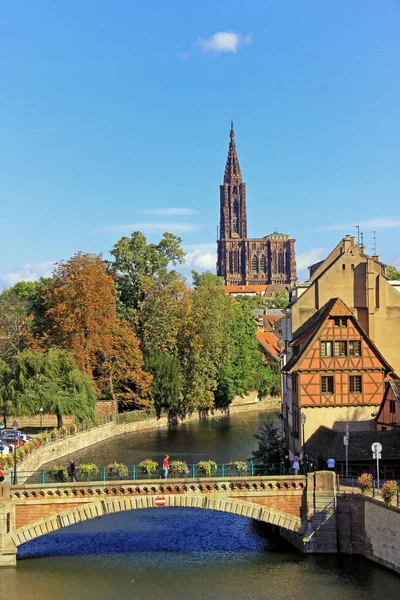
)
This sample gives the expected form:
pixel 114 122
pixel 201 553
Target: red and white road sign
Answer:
pixel 160 501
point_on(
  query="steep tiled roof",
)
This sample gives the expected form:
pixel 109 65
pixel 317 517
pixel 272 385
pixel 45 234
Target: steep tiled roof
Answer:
pixel 304 334
pixel 269 341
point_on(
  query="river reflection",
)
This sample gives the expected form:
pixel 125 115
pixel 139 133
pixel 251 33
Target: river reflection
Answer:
pixel 189 554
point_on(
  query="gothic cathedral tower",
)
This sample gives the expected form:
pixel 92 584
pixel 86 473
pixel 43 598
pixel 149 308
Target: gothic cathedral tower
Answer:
pixel 242 260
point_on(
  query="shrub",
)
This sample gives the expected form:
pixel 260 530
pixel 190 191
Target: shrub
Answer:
pixel 73 428
pixel 63 431
pixel 58 473
pixel 53 435
pixel 365 482
pixel 119 469
pixel 208 467
pixel 148 465
pixel 88 471
pixel 389 491
pixel 239 466
pixel 178 468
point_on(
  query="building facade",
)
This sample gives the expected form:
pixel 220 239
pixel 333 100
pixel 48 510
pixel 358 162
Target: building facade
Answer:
pixel 372 313
pixel 335 375
pixel 248 261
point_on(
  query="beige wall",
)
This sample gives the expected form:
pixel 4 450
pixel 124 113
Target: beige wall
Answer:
pixel 382 528
pixel 359 418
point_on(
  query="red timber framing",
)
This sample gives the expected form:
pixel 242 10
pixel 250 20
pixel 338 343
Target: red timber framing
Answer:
pixel 336 362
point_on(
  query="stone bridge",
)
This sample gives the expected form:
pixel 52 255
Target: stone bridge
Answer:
pixel 302 508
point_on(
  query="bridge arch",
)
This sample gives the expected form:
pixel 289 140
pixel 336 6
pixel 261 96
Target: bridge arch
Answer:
pixel 100 507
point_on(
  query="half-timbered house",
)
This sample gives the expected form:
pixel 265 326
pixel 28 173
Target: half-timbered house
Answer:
pixel 335 375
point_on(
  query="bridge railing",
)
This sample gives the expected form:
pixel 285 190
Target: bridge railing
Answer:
pixel 134 472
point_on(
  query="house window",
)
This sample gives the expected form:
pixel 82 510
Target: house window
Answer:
pixel 263 264
pixel 355 348
pixel 392 406
pixel 294 383
pixel 254 264
pixel 355 384
pixel 326 349
pixel 340 348
pixel 327 386
pixel 295 423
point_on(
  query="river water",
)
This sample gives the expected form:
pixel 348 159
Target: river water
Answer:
pixel 174 554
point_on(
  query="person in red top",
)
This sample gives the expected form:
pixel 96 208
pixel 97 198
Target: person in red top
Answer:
pixel 165 466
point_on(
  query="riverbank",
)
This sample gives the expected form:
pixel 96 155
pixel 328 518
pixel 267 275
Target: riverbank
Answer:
pixel 74 443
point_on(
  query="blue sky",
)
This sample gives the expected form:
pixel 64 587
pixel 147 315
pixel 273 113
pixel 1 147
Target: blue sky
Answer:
pixel 115 116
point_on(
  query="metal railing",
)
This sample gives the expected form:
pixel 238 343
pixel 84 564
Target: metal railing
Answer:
pixel 351 485
pixel 48 475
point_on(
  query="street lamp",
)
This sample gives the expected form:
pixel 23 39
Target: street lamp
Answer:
pixel 1 438
pixel 303 419
pixel 15 427
pixel 41 417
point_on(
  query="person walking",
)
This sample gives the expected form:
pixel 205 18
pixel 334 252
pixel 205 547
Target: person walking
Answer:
pixel 72 471
pixel 330 463
pixel 165 466
pixel 286 465
pixel 296 464
pixel 1 475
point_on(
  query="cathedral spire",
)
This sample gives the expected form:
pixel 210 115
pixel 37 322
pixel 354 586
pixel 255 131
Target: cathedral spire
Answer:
pixel 232 167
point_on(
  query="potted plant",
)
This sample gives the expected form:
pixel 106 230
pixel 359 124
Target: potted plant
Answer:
pixel 148 466
pixel 365 482
pixel 207 467
pixel 178 468
pixel 239 466
pixel 389 491
pixel 88 471
pixel 118 469
pixel 58 473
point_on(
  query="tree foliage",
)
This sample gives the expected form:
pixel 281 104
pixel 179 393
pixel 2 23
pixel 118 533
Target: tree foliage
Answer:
pixel 83 314
pixel 271 444
pixel 135 258
pixel 278 299
pixel 15 324
pixel 392 273
pixel 50 380
pixel 166 389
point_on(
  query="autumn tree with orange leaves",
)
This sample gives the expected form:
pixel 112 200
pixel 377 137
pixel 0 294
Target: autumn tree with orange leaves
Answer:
pixel 82 310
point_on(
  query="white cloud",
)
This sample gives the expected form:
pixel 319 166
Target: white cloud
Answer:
pixel 201 256
pixel 169 211
pixel 152 227
pixel 370 224
pixel 306 259
pixel 27 272
pixel 223 41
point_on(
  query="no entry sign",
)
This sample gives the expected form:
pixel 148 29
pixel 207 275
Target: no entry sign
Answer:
pixel 160 501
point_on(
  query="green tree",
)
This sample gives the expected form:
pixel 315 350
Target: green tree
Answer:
pixel 34 294
pixel 162 312
pixel 134 257
pixel 269 379
pixel 392 273
pixel 166 388
pixel 271 444
pixel 6 400
pixel 243 360
pixel 277 299
pixel 52 380
pixel 15 324
pixel 202 344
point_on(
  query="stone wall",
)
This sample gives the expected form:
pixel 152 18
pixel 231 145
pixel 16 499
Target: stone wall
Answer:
pixel 368 527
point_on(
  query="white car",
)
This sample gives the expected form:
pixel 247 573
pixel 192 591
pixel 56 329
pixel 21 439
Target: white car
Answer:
pixel 4 448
